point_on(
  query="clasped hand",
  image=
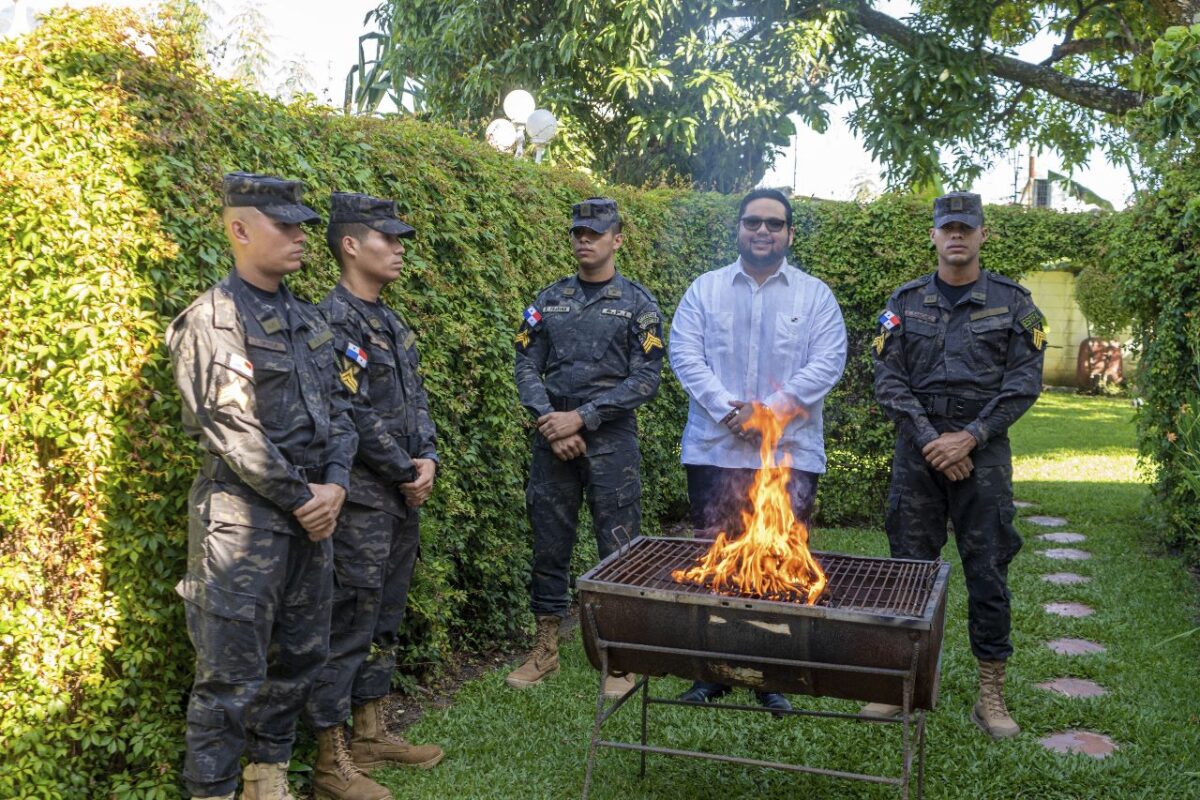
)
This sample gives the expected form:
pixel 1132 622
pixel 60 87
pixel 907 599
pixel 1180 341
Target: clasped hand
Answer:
pixel 950 454
pixel 561 429
pixel 319 515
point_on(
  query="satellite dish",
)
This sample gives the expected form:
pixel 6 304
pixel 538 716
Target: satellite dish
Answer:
pixel 542 125
pixel 518 105
pixel 501 134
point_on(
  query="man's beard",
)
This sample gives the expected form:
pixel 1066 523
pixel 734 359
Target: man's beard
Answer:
pixel 760 262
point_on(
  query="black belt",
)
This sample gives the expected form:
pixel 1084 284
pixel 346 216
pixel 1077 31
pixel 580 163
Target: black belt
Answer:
pixel 566 403
pixel 951 407
pixel 214 467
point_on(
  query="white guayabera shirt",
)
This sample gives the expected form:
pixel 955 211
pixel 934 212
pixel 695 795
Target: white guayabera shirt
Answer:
pixel 782 344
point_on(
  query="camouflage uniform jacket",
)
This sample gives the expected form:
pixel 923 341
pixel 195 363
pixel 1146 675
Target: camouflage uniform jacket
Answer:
pixel 601 357
pixel 261 395
pixel 378 364
pixel 976 366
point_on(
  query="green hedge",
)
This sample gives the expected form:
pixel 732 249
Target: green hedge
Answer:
pixel 109 179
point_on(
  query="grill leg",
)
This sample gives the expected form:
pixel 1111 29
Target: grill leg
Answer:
pixel 921 756
pixel 645 710
pixel 591 762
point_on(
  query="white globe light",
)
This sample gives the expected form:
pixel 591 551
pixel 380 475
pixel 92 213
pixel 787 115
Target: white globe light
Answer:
pixel 518 105
pixel 501 134
pixel 542 126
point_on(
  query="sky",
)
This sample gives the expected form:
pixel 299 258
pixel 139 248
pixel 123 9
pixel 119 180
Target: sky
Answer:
pixel 324 37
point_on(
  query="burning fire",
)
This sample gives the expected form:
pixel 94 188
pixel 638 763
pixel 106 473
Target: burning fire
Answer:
pixel 771 559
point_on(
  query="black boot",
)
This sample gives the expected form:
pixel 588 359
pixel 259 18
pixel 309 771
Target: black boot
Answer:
pixel 702 692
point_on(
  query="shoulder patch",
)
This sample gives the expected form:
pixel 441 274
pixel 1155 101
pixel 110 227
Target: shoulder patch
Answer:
pixel 648 319
pixel 889 320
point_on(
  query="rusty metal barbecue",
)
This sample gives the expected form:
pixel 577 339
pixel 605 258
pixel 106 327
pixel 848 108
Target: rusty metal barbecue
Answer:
pixel 874 635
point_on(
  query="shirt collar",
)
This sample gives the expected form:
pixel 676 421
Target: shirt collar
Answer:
pixel 784 273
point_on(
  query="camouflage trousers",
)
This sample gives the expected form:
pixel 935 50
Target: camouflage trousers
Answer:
pixel 555 492
pixel 981 508
pixel 374 554
pixel 257 606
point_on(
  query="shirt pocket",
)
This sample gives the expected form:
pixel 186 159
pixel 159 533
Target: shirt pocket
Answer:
pixel 611 330
pixel 274 372
pixel 718 335
pixel 381 368
pixel 791 336
pixel 989 341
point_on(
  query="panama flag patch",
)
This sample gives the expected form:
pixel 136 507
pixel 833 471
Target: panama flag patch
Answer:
pixel 239 364
pixel 532 316
pixel 889 320
pixel 356 354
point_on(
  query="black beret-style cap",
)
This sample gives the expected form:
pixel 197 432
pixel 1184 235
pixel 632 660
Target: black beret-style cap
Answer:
pixel 277 198
pixel 964 207
pixel 374 212
pixel 597 213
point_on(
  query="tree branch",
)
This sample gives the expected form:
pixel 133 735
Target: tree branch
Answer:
pixel 1109 99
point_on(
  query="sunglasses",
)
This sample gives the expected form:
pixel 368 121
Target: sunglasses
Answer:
pixel 774 225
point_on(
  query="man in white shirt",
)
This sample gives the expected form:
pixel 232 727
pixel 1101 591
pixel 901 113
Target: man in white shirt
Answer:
pixel 758 332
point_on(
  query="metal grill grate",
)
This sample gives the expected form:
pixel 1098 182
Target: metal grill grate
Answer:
pixel 883 585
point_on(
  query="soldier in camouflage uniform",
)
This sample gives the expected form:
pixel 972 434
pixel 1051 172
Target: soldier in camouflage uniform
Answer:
pixel 589 352
pixel 257 374
pixel 378 535
pixel 958 359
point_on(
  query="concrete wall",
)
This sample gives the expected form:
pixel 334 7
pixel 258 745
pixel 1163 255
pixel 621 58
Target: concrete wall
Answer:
pixel 1054 293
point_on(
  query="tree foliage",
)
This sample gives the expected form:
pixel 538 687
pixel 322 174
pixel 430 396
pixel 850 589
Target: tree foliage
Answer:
pixel 702 89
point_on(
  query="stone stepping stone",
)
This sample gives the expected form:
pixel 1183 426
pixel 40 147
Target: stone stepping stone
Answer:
pixel 1023 504
pixel 1062 537
pixel 1074 647
pixel 1065 578
pixel 1067 554
pixel 1074 687
pixel 1047 522
pixel 1087 743
pixel 1069 609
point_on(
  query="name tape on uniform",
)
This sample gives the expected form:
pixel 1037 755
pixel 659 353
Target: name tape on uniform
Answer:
pixel 617 312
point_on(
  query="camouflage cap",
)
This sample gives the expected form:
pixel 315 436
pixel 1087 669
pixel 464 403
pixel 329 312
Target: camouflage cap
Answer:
pixel 275 197
pixel 374 212
pixel 964 207
pixel 596 213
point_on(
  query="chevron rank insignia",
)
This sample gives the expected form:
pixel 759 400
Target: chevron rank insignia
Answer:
pixel 348 376
pixel 650 341
pixel 877 342
pixel 1039 339
pixel 523 338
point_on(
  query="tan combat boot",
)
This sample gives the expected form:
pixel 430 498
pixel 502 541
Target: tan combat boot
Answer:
pixel 618 685
pixel 336 776
pixel 882 710
pixel 261 781
pixel 543 660
pixel 990 713
pixel 372 745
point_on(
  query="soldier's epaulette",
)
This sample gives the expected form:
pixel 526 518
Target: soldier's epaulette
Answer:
pixel 915 283
pixel 550 286
pixel 642 289
pixel 998 278
pixel 335 308
pixel 224 308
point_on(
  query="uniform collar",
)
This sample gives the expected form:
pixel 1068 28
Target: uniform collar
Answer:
pixel 613 291
pixel 978 294
pixel 263 310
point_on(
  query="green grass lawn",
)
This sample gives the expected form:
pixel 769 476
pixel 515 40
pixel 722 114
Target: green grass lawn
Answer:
pixel 1075 459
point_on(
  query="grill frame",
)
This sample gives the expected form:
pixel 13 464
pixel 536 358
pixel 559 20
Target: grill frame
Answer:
pixel 771 645
pixel 841 570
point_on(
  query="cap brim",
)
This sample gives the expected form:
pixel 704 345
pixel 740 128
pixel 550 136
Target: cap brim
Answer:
pixel 973 220
pixel 394 227
pixel 599 226
pixel 294 213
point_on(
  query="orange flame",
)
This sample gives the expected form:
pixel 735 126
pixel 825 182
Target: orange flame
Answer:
pixel 771 559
